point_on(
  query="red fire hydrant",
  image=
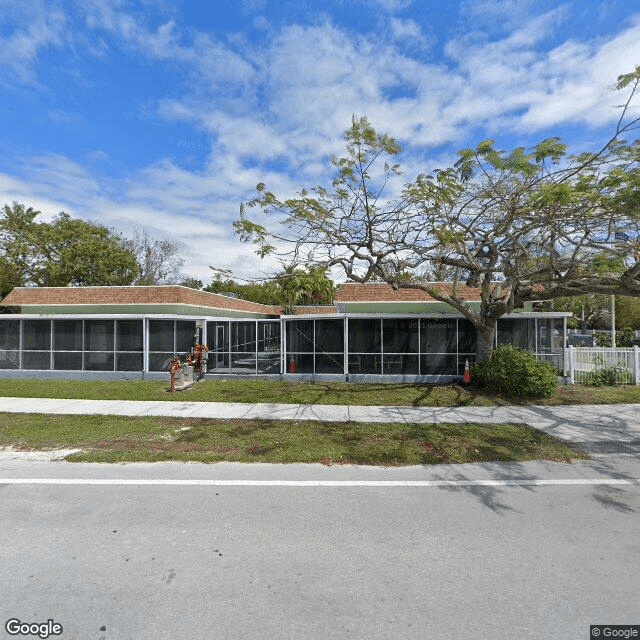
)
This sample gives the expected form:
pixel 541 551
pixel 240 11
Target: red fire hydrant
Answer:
pixel 199 357
pixel 175 367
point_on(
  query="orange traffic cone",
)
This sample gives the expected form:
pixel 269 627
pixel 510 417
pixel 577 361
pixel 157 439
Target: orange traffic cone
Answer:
pixel 467 375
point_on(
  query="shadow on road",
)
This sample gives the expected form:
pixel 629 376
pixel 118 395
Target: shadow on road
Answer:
pixel 598 467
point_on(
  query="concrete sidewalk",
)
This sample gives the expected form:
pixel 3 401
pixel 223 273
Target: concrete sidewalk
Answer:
pixel 604 428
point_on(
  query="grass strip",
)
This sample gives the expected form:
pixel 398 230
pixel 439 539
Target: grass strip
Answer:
pixel 281 391
pixel 153 439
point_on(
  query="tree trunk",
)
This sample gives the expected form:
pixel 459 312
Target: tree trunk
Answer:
pixel 484 345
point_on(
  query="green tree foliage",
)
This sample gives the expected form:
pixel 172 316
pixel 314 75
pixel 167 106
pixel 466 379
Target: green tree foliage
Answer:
pixel 292 286
pixel 596 311
pixel 521 225
pixel 192 283
pixel 263 292
pixel 304 286
pixel 63 252
pixel 10 276
pixel 627 312
pixel 624 337
pixel 590 311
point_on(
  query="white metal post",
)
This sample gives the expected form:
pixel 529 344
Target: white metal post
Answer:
pixel 145 345
pixel 175 341
pixel 21 343
pixel 345 341
pixel 255 343
pixel 51 345
pixel 636 364
pixel 572 363
pixel 204 355
pixel 613 322
pixel 283 346
pixel 564 345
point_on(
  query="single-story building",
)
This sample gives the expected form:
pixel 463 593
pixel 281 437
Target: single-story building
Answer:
pixel 371 332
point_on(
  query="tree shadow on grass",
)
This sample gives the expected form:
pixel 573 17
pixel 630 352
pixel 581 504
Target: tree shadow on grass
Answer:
pixel 459 397
pixel 361 393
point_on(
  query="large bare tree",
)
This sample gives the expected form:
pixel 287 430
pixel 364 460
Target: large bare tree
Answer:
pixel 521 225
pixel 158 260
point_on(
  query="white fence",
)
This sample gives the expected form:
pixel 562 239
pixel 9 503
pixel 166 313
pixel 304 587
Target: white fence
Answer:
pixel 611 366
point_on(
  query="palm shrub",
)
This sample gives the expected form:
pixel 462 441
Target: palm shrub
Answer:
pixel 515 373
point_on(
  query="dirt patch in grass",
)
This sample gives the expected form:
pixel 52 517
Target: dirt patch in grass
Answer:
pixel 149 438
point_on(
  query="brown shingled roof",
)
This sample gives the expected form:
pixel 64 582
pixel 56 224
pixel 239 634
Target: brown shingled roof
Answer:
pixel 321 309
pixel 383 292
pixel 172 294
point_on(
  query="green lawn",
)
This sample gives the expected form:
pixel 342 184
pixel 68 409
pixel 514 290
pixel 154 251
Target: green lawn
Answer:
pixel 118 439
pixel 151 439
pixel 279 391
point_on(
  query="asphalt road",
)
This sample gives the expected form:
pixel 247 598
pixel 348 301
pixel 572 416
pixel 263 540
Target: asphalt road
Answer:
pixel 233 551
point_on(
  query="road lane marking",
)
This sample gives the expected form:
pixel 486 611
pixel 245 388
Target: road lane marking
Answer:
pixel 515 482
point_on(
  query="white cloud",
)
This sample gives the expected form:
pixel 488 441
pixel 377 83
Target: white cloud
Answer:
pixel 165 201
pixel 251 7
pixel 393 5
pixel 274 113
pixel 497 15
pixel 217 66
pixel 406 30
pixel 13 189
pixel 20 49
pixel 317 77
pixel 262 23
pixel 52 172
pixel 97 155
pixel 210 63
pixel 67 119
pixel 513 82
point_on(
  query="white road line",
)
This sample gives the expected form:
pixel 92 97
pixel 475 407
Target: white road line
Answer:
pixel 526 482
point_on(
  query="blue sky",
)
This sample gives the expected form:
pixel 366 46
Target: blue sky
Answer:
pixel 164 116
